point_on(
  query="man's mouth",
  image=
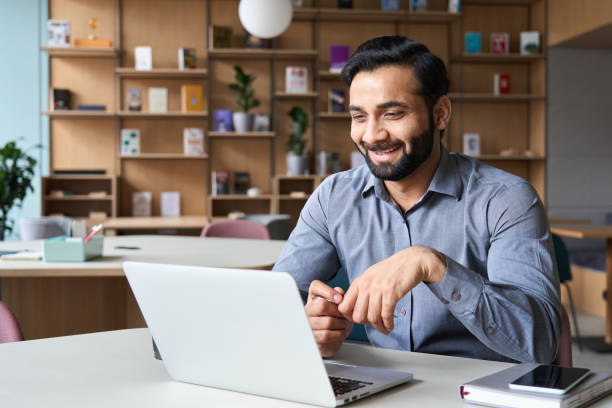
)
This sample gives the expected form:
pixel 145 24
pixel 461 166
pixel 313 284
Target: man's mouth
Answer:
pixel 384 154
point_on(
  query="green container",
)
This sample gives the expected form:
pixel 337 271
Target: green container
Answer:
pixel 59 250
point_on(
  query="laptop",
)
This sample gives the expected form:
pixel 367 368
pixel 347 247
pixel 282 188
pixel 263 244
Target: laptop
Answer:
pixel 246 331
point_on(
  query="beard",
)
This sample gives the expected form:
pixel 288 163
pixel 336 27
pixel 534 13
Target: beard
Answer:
pixel 420 150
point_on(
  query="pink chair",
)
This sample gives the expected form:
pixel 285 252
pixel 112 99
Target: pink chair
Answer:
pixel 9 328
pixel 564 355
pixel 236 229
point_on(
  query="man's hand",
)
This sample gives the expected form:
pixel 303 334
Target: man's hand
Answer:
pixel 372 297
pixel 328 325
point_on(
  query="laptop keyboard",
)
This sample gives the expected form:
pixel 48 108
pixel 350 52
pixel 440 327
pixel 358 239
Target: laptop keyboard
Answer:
pixel 344 385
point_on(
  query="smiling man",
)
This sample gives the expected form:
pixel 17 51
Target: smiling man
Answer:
pixel 444 254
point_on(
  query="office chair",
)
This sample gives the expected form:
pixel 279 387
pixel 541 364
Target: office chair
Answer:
pixel 564 354
pixel 358 332
pixel 565 275
pixel 9 328
pixel 236 229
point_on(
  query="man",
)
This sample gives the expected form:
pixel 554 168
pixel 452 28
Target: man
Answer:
pixel 445 254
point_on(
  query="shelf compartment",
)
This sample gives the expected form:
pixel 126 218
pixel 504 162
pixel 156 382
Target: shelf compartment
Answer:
pixel 237 135
pixel 223 197
pixel 80 52
pixel 483 97
pixel 163 156
pixel 249 53
pixel 374 15
pixel 79 114
pixel 79 197
pixel 497 58
pixel 288 95
pixel 163 115
pixel 161 73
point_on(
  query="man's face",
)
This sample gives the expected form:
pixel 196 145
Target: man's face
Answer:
pixel 391 125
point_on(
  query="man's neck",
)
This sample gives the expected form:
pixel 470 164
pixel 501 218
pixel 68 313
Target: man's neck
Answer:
pixel 409 190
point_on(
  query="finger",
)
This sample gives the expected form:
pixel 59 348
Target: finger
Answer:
pixel 318 288
pixel 328 323
pixel 348 302
pixel 328 336
pixel 339 290
pixel 322 307
pixel 360 312
pixel 374 313
pixel 387 314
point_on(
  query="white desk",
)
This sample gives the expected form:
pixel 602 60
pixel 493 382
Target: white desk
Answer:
pixel 117 369
pixel 58 299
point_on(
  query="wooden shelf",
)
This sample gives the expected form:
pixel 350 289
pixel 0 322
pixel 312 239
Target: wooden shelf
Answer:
pixel 498 2
pixel 186 222
pixel 518 157
pixel 289 197
pixel 329 76
pixel 475 97
pixel 242 197
pixel 80 197
pixel 334 115
pixel 303 177
pixel 80 177
pixel 497 58
pixel 254 53
pixel 287 95
pixel 80 52
pixel 162 73
pixel 164 115
pixel 79 114
pixel 236 135
pixel 373 15
pixel 162 156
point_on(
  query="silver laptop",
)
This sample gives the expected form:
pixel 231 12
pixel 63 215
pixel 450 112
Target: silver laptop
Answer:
pixel 244 330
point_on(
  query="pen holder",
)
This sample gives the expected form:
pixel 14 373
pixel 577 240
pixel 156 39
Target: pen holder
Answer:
pixel 58 249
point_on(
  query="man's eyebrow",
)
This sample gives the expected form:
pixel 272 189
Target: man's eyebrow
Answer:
pixel 391 104
pixel 354 108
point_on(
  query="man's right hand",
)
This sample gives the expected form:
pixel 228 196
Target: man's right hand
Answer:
pixel 329 326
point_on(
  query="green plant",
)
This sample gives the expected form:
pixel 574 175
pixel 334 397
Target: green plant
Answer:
pixel 16 174
pixel 245 96
pixel 297 141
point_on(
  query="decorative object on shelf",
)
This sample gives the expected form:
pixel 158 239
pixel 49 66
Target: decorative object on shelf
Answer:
pixel 296 80
pixel 143 58
pixel 17 169
pixel 338 56
pixel 357 159
pixel 500 43
pixel 345 4
pixel 192 98
pixel 186 58
pixel 530 42
pixel 158 100
pixel 130 141
pixel 193 141
pixel 473 42
pixel 253 192
pixel 297 160
pixel 141 203
pixel 252 41
pixel 134 99
pixel 261 122
pixel 454 6
pixel 510 151
pixel 335 162
pixel 242 182
pixel 390 5
pixel 501 84
pixel 61 99
pixel 471 144
pixel 170 204
pixel 219 37
pixel 58 33
pixel 92 39
pixel 220 183
pixel 265 18
pixel 90 107
pixel 323 164
pixel 337 100
pixel 418 5
pixel 245 99
pixel 223 120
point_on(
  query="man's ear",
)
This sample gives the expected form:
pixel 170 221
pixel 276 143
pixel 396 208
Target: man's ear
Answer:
pixel 442 112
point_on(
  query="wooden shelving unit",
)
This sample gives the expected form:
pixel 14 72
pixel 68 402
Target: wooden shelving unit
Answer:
pixel 82 194
pixel 79 114
pixel 293 96
pixel 80 52
pixel 161 73
pixel 163 156
pixel 482 97
pixel 241 135
pixel 162 115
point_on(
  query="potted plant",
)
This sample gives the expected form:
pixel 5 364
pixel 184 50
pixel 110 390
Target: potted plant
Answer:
pixel 295 147
pixel 16 174
pixel 245 98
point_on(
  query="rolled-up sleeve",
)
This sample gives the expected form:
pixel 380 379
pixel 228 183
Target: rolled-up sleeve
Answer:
pixel 516 309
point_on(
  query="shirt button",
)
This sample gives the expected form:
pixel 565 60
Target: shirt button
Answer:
pixel 403 312
pixel 456 295
pixel 444 301
pixel 491 330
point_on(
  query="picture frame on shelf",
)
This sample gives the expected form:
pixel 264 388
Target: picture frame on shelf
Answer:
pixel 471 144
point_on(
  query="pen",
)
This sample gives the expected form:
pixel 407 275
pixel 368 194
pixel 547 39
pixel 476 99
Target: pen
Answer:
pixel 321 297
pixel 93 232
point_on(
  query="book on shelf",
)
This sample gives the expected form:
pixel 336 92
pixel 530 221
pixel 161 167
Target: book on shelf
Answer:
pixel 251 41
pixel 390 5
pixel 338 56
pixel 143 58
pixel 141 203
pixel 220 183
pixel 186 58
pixel 501 84
pixel 337 100
pixel 296 80
pixel 193 141
pixel 134 99
pixel 261 122
pixel 192 98
pixel 242 182
pixel 219 37
pixel 223 120
pixel 58 33
pixel 471 144
pixel 530 42
pixel 345 4
pixel 418 5
pixel 454 6
pixel 130 141
pixel 493 390
pixel 61 99
pixel 499 43
pixel 90 107
pixel 158 100
pixel 473 42
pixel 170 204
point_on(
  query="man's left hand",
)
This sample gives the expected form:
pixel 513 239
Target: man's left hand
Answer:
pixel 372 297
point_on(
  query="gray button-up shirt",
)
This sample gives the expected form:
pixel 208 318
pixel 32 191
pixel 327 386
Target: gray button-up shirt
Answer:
pixel 499 299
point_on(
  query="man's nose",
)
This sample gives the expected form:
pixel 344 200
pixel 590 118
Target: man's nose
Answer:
pixel 375 133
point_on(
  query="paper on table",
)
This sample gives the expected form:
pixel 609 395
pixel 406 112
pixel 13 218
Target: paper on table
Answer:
pixel 23 256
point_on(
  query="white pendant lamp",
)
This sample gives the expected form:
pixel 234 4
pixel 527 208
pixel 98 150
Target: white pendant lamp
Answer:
pixel 265 18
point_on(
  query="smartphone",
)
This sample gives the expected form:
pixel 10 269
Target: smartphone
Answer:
pixel 549 379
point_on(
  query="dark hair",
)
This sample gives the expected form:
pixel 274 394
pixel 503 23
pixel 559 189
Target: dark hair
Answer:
pixel 396 50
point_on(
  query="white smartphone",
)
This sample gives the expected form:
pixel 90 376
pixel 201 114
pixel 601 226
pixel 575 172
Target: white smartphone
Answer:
pixel 549 379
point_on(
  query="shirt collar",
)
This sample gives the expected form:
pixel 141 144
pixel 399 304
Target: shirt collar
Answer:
pixel 446 179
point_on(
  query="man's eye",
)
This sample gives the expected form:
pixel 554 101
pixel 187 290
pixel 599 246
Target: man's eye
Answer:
pixel 358 117
pixel 393 114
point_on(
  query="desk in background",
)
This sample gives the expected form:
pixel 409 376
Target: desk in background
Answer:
pixel 58 299
pixel 189 224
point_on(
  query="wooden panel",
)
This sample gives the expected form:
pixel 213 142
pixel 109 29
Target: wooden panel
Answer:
pixel 537 178
pixel 299 35
pixel 283 126
pixel 188 177
pixel 335 136
pixel 587 285
pixel 568 19
pixel 221 208
pixel 79 13
pixel 537 127
pixel 182 22
pixel 434 36
pixel 83 144
pixel 518 168
pixel 375 4
pixel 90 81
pixel 537 77
pixel 252 156
pixel 223 74
pixel 70 208
pixel 225 13
pixel 487 20
pixel 293 208
pixel 479 77
pixel 161 136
